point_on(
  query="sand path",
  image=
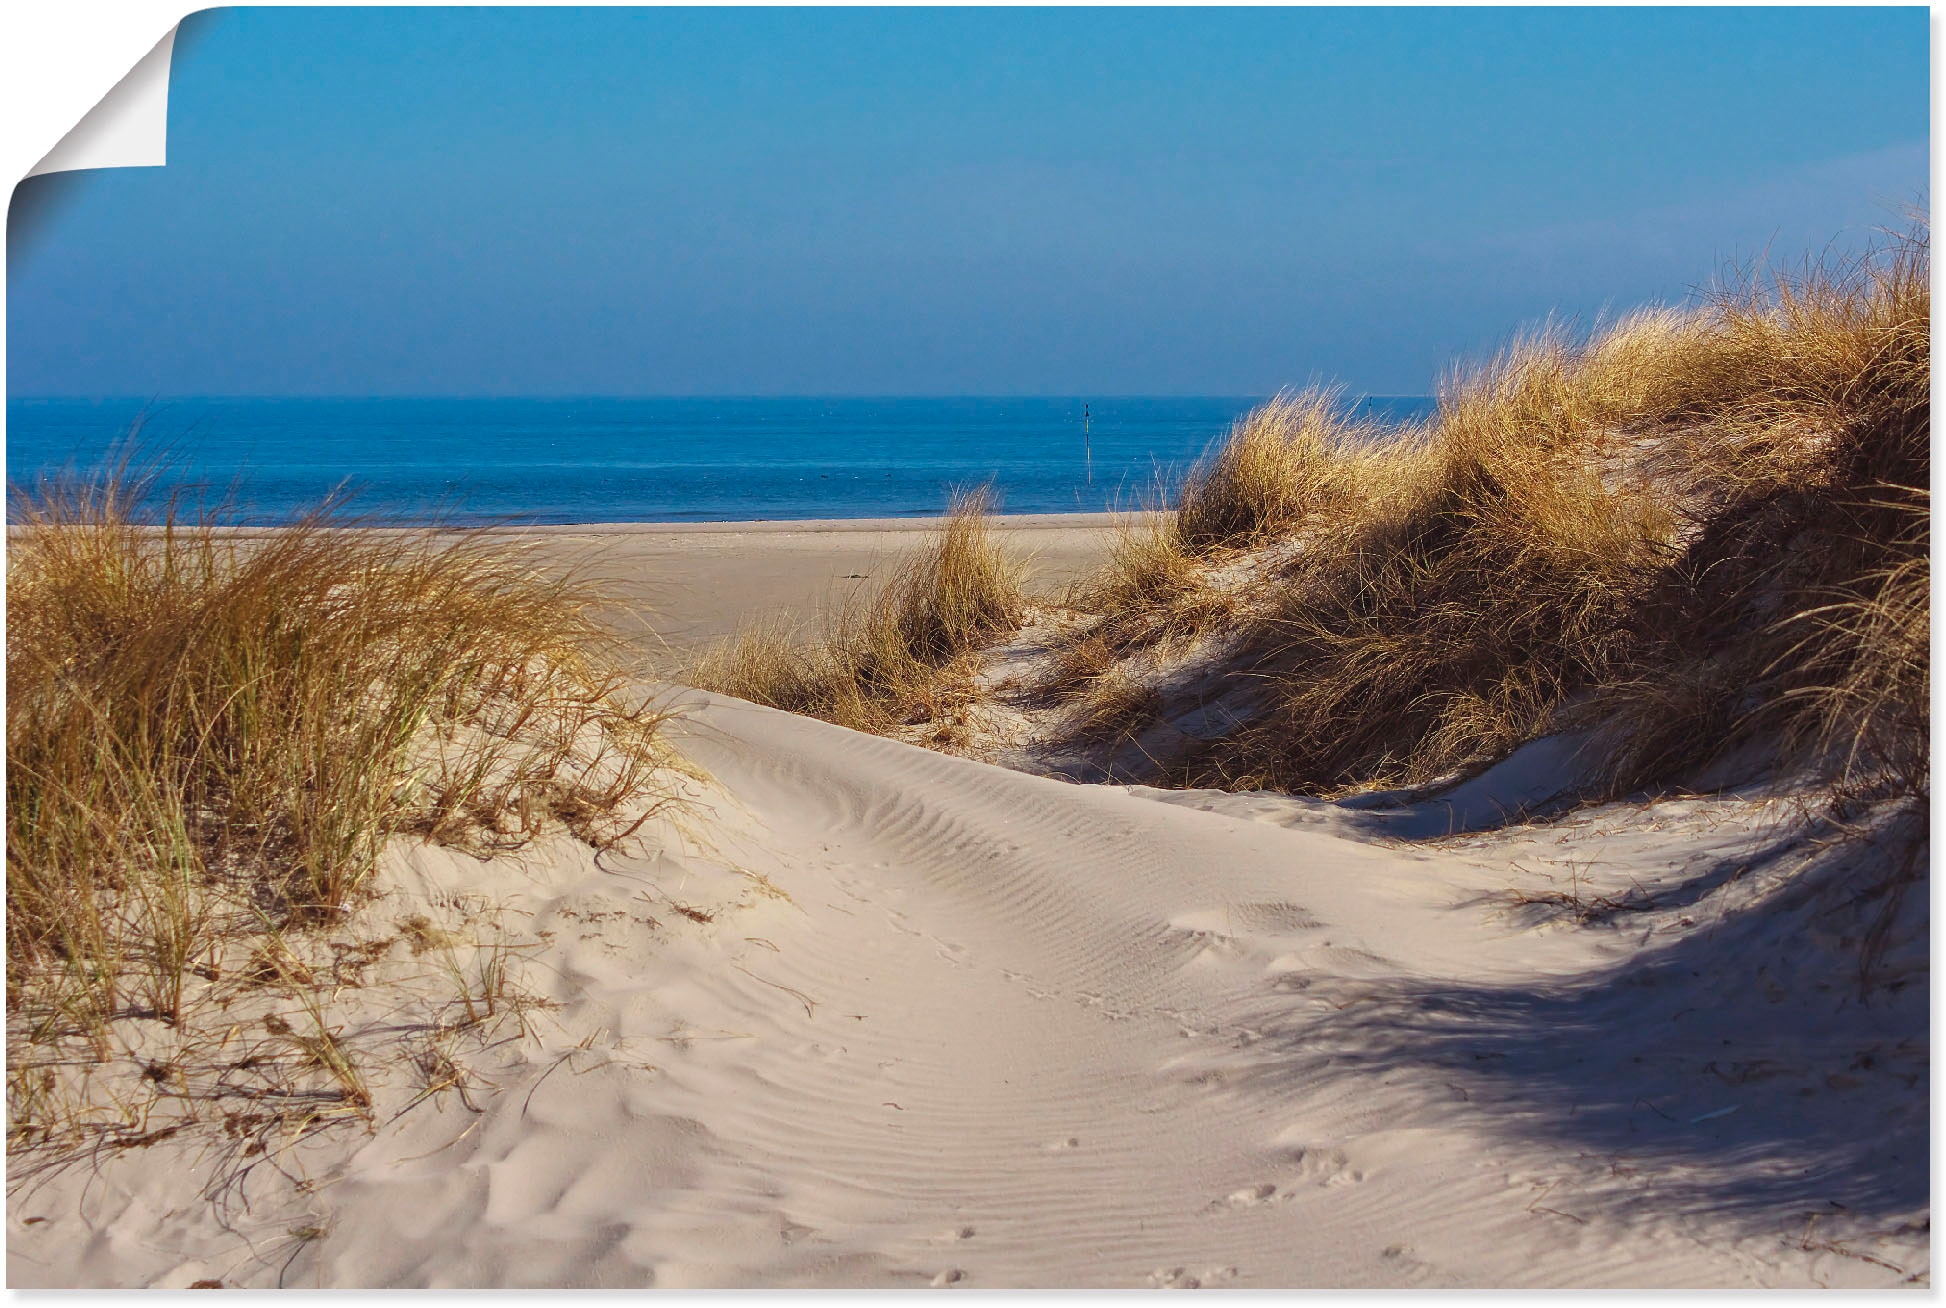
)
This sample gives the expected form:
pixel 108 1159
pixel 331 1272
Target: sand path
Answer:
pixel 949 1024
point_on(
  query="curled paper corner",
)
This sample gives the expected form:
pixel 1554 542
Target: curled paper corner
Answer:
pixel 128 128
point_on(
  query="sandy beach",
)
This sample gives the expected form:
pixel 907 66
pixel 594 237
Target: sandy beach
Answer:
pixel 691 583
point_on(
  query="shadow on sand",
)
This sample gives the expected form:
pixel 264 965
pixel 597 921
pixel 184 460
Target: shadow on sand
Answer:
pixel 1739 1064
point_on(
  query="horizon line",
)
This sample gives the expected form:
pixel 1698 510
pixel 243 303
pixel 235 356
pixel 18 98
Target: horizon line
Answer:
pixel 1072 396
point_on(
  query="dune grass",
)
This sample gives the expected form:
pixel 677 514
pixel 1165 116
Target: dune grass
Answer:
pixel 1698 529
pixel 213 734
pixel 1285 463
pixel 1293 466
pixel 904 654
pixel 1113 707
pixel 1151 570
pixel 1698 533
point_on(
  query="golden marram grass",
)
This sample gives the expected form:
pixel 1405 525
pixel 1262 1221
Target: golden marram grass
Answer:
pixel 214 733
pixel 1696 529
pixel 892 656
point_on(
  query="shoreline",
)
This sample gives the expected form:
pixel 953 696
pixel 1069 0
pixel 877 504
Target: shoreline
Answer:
pixel 1005 522
pixel 738 526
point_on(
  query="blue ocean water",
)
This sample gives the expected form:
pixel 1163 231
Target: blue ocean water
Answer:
pixel 643 460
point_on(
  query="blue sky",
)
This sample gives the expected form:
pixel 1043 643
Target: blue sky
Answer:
pixel 870 201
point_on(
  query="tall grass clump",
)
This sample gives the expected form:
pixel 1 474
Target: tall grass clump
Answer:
pixel 1698 530
pixel 956 594
pixel 1282 464
pixel 1154 590
pixel 207 727
pixel 891 657
pixel 1484 576
pixel 1149 564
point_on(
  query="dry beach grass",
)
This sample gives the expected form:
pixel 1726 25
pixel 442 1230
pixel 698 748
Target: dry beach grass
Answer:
pixel 1694 529
pixel 212 736
pixel 1698 531
pixel 900 653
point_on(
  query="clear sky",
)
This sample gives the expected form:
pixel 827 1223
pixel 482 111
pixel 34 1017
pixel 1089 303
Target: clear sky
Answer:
pixel 872 201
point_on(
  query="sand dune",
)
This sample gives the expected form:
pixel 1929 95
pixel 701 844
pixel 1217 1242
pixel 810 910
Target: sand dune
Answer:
pixel 874 1016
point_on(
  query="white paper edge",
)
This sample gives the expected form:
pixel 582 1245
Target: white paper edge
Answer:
pixel 128 128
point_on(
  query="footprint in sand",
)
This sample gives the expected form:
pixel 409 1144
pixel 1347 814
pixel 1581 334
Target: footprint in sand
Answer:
pixel 1251 1196
pixel 1276 919
pixel 1028 984
pixel 1182 1278
pixel 1323 1165
pixel 1412 1270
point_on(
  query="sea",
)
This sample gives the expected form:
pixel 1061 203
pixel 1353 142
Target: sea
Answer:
pixel 497 460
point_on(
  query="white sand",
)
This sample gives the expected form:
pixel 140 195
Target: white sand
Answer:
pixel 950 1024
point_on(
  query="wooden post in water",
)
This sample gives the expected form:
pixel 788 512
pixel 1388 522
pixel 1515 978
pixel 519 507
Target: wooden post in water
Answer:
pixel 1087 449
